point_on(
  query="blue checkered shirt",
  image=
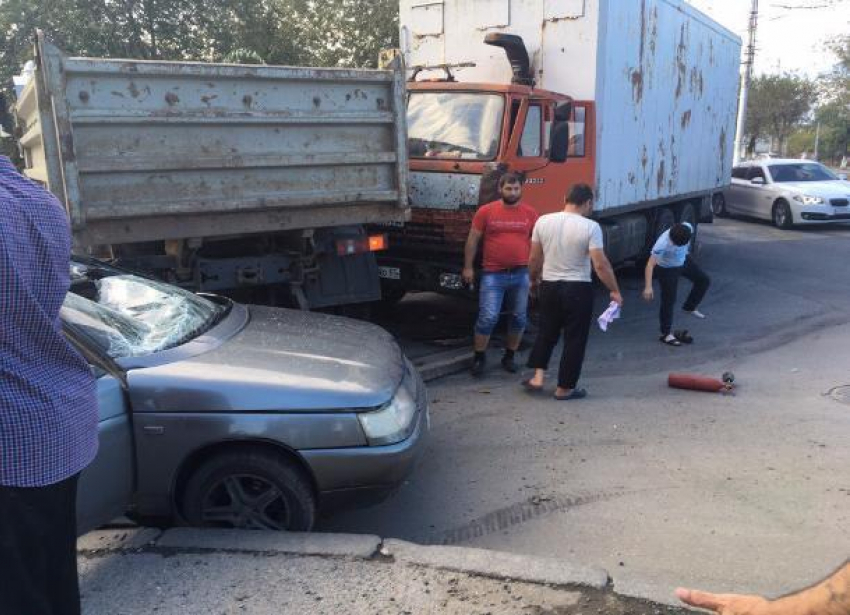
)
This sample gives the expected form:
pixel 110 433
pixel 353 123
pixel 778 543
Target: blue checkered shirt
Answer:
pixel 48 405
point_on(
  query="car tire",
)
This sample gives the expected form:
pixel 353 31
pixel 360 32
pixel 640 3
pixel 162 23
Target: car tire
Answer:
pixel 249 490
pixel 781 215
pixel 718 205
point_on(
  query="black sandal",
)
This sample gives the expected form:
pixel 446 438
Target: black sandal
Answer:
pixel 683 336
pixel 674 342
pixel 531 388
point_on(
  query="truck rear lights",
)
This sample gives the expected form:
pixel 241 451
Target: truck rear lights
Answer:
pixel 359 245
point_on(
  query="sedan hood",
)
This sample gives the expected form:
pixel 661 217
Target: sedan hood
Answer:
pixel 827 189
pixel 282 360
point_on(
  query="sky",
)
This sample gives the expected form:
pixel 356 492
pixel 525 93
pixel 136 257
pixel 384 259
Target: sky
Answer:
pixel 787 39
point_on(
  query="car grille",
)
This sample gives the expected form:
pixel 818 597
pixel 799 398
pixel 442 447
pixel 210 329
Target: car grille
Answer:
pixel 840 202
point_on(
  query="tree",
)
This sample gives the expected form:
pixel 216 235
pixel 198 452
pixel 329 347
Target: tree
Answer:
pixel 777 103
pixel 351 32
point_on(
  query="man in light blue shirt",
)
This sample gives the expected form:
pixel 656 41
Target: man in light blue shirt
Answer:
pixel 669 260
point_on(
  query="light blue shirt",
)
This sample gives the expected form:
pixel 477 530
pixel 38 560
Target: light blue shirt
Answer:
pixel 667 253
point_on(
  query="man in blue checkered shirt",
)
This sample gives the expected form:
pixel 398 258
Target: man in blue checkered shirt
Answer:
pixel 48 405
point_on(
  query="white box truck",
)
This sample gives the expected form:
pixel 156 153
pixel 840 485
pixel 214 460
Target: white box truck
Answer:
pixel 635 97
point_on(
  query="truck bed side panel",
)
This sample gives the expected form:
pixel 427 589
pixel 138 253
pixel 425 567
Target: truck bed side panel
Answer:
pixel 173 149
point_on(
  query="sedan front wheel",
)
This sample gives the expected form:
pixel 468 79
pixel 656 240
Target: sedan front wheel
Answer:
pixel 249 490
pixel 782 217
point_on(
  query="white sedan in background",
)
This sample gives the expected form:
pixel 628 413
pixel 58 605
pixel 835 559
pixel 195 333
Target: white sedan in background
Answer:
pixel 787 192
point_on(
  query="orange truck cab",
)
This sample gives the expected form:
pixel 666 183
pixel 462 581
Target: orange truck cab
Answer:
pixel 659 152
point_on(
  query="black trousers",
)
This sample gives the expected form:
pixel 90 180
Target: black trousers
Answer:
pixel 38 558
pixel 564 307
pixel 668 280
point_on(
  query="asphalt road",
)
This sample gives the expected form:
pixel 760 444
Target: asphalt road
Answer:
pixel 742 492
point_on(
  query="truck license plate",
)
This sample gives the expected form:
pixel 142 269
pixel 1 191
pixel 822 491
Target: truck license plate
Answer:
pixel 389 273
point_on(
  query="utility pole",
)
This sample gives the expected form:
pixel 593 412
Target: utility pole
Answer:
pixel 817 141
pixel 746 75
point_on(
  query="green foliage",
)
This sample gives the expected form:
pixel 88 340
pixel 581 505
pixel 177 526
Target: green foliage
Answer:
pixel 776 105
pixel 295 32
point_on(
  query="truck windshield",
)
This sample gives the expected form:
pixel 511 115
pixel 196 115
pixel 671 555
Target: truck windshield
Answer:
pixel 130 316
pixel 454 125
pixel 801 172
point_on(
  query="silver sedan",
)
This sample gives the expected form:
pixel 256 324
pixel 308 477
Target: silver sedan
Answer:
pixel 786 191
pixel 214 413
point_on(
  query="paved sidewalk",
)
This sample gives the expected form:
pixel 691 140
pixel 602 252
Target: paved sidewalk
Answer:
pixel 186 571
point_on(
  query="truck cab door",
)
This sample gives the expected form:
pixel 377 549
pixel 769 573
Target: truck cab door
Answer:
pixel 549 174
pixel 106 486
pixel 526 150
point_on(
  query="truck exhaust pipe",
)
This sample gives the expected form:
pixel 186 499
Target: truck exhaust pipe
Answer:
pixel 517 55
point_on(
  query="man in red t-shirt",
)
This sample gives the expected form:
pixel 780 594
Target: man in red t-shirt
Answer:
pixel 505 227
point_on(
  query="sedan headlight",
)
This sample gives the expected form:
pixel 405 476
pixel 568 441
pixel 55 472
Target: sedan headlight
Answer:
pixel 392 423
pixel 809 200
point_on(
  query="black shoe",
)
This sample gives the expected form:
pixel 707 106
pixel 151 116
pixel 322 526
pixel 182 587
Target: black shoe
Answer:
pixel 509 365
pixel 478 364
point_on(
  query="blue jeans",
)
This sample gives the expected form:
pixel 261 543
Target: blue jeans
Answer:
pixel 498 289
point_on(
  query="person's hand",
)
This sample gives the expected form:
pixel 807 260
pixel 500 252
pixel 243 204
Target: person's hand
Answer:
pixel 617 298
pixel 729 604
pixel 468 275
pixel 648 294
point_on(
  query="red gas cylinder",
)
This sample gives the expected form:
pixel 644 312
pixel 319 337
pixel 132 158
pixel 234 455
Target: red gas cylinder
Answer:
pixel 693 382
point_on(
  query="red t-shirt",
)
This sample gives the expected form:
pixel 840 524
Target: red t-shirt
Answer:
pixel 506 234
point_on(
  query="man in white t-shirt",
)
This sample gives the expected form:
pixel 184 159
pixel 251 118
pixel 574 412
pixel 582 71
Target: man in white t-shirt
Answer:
pixel 564 245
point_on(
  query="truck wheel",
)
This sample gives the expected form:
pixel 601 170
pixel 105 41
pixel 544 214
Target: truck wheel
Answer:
pixel 688 214
pixel 782 217
pixel 249 490
pixel 718 205
pixel 664 219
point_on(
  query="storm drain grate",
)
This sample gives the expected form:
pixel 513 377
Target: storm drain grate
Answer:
pixel 840 394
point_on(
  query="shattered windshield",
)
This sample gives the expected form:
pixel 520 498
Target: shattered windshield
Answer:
pixel 454 125
pixel 130 316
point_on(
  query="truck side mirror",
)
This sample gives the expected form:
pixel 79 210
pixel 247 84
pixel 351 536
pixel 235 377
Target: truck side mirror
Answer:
pixel 559 141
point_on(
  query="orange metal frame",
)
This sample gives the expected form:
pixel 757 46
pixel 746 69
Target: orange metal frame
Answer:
pixel 546 182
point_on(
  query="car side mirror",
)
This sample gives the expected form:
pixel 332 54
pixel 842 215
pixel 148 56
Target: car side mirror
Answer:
pixel 559 141
pixel 758 181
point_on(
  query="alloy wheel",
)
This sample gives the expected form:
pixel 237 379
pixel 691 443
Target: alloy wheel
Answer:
pixel 245 501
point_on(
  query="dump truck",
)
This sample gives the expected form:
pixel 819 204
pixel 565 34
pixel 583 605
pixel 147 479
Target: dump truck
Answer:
pixel 637 98
pixel 222 177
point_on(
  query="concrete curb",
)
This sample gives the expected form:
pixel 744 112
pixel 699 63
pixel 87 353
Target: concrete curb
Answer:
pixel 296 543
pixel 118 539
pixel 441 364
pixel 496 564
pixel 630 586
pixel 468 560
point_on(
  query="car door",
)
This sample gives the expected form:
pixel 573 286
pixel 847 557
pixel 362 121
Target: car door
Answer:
pixel 106 486
pixel 761 195
pixel 752 190
pixel 737 191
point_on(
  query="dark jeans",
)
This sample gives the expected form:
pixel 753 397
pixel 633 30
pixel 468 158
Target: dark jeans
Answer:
pixel 563 307
pixel 668 280
pixel 38 558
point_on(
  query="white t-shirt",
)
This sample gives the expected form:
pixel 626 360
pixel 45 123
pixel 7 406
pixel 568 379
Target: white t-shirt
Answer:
pixel 567 239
